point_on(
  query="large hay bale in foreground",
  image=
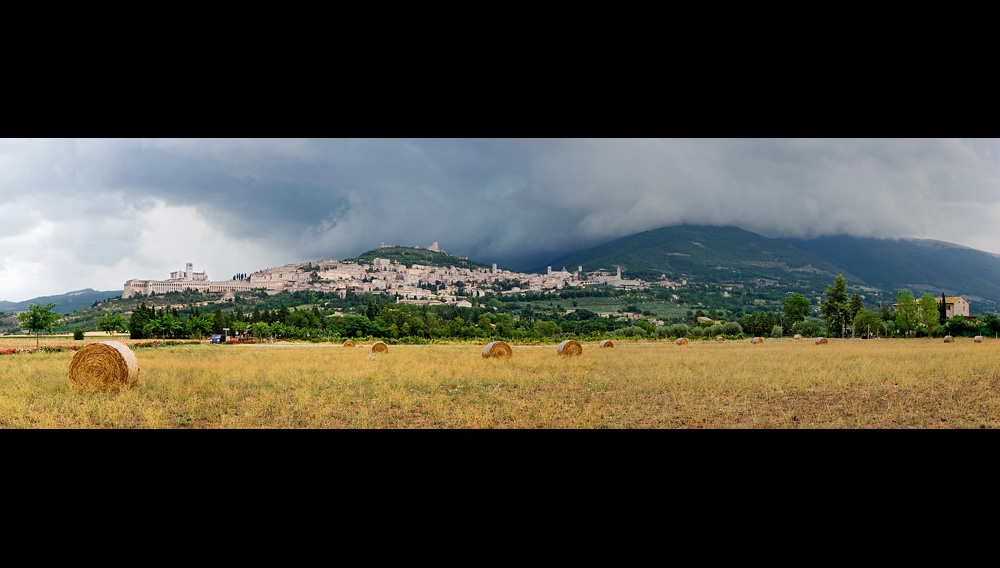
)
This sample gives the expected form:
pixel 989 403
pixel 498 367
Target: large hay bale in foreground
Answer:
pixel 570 347
pixel 107 365
pixel 348 343
pixel 949 339
pixel 757 340
pixel 821 341
pixel 720 338
pixel 497 350
pixel 607 343
pixel 797 336
pixel 380 347
pixel 978 339
pixel 681 341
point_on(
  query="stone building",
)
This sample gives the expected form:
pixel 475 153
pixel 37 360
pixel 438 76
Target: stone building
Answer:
pixel 955 306
pixel 181 280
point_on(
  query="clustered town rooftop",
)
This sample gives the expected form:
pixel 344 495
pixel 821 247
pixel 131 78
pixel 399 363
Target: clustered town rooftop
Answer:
pixel 384 276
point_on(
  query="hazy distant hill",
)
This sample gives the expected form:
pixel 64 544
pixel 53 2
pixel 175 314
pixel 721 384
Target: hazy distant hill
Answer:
pixel 65 303
pixel 706 254
pixel 410 256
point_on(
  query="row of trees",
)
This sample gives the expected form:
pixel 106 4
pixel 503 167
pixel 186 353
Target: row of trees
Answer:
pixel 791 319
pixel 909 317
pixel 387 319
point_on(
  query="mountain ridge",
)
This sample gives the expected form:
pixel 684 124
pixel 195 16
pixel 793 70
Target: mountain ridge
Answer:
pixel 66 303
pixel 877 268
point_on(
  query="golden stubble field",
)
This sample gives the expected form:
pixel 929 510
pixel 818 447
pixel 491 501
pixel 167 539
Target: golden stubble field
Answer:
pixel 920 383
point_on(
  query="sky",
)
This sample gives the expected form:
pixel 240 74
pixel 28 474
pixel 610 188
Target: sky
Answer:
pixel 93 213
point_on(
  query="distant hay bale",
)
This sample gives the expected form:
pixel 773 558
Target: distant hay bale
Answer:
pixel 380 347
pixel 681 341
pixel 720 338
pixel 821 341
pixel 107 365
pixel 607 343
pixel 978 339
pixel 797 336
pixel 949 339
pixel 348 343
pixel 570 347
pixel 497 350
pixel 756 340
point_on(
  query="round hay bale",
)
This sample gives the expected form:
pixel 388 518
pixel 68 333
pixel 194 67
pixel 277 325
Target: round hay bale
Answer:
pixel 757 340
pixel 570 347
pixel 497 350
pixel 978 339
pixel 797 336
pixel 607 343
pixel 681 341
pixel 107 365
pixel 720 338
pixel 949 339
pixel 821 341
pixel 380 347
pixel 348 343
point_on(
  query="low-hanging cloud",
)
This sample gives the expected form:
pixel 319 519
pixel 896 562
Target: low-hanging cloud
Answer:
pixel 92 213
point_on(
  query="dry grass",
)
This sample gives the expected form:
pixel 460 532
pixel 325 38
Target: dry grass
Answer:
pixel 733 384
pixel 22 342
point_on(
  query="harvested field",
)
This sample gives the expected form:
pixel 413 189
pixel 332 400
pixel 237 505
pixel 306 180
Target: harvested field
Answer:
pixel 913 383
pixel 22 342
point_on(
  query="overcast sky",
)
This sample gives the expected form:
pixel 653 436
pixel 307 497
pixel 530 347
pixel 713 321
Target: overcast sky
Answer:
pixel 92 213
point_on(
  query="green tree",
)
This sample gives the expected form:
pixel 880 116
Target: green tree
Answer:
pixel 958 326
pixel 241 327
pixel 219 321
pixel 260 330
pixel 808 328
pixel 169 324
pixel 853 307
pixel 153 327
pixel 929 314
pixel 546 328
pixel 732 328
pixel 885 312
pixel 283 313
pixel 795 307
pixel 677 330
pixel 835 306
pixel 869 323
pixel 139 322
pixel 906 312
pixel 38 318
pixel 199 324
pixel 992 323
pixel 942 310
pixel 112 322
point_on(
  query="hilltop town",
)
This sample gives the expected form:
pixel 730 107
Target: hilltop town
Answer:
pixel 410 283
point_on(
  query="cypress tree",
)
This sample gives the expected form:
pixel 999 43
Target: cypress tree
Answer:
pixel 218 321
